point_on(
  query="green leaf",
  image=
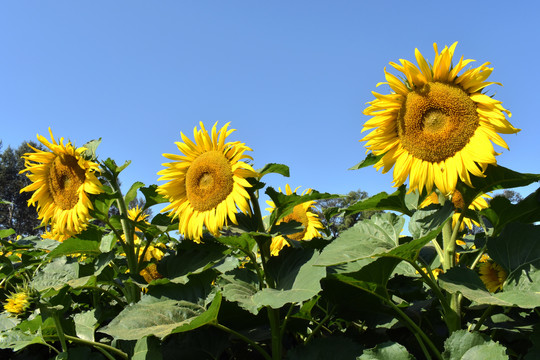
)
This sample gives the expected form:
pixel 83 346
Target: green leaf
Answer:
pixel 56 274
pixel 370 159
pixel 239 286
pixel 17 340
pixel 151 196
pixel 517 246
pixel 463 344
pixel 85 324
pixel 326 348
pixel 91 147
pixel 286 203
pixel 387 351
pixel 115 169
pixel 108 242
pixel 469 284
pixel 192 258
pixel 397 201
pixel 147 348
pixel 496 178
pixel 373 277
pixel 132 192
pixel 296 277
pixel 245 241
pixel 7 322
pixel 425 220
pixel 502 212
pixel 364 240
pixel 152 316
pixel 73 246
pixel 274 169
pixel 4 233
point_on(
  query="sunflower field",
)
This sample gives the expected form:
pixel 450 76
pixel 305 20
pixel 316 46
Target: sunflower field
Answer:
pixel 444 269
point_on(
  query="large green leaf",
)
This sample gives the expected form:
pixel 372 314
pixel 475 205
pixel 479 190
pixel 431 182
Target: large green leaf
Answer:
pixel 496 178
pixel 365 239
pixel 517 246
pixel 76 246
pixel 425 220
pixel 502 212
pixel 397 201
pixel 296 277
pixel 469 284
pixel 192 258
pixel 152 316
pixel 386 351
pixel 467 345
pixel 240 285
pixel 373 277
pixel 56 274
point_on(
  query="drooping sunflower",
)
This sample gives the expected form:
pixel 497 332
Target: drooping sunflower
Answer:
pixel 62 180
pixel 492 275
pixel 301 213
pixel 207 183
pixel 457 199
pixel 436 125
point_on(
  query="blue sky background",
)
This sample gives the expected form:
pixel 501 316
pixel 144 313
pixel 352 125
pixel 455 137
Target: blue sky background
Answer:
pixel 292 77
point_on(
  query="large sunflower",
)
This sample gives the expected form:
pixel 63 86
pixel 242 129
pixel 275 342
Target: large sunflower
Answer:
pixel 207 183
pixel 62 180
pixel 301 213
pixel 436 125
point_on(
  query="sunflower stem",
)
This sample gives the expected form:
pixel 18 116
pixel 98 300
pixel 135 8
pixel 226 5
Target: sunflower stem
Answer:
pixel 98 346
pixel 244 338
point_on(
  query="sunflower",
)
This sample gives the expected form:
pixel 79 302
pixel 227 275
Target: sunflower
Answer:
pixel 17 303
pixel 62 180
pixel 492 275
pixel 301 213
pixel 207 183
pixel 436 125
pixel 457 199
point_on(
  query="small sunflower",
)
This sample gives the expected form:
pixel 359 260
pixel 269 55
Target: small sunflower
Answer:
pixel 457 199
pixel 301 213
pixel 17 303
pixel 207 183
pixel 150 273
pixel 492 275
pixel 61 179
pixel 436 125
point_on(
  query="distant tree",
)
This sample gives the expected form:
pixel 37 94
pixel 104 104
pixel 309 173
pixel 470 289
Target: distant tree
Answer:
pixel 15 212
pixel 337 223
pixel 511 195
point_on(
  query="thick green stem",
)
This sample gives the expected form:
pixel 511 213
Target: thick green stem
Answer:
pixel 483 318
pixel 244 338
pixel 97 345
pixel 420 335
pixel 273 314
pixel 60 331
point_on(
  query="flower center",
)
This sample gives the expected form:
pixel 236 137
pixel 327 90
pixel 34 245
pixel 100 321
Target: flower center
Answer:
pixel 457 200
pixel 209 180
pixel 65 179
pixel 437 121
pixel 298 214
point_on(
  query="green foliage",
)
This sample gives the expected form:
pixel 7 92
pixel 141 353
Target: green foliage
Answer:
pixel 136 289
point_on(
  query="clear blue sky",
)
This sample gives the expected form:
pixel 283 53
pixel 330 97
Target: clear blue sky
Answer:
pixel 292 77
